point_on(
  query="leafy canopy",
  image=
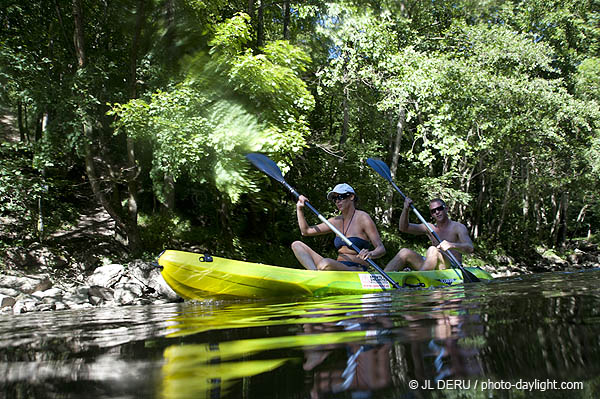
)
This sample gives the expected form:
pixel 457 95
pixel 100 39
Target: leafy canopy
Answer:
pixel 232 101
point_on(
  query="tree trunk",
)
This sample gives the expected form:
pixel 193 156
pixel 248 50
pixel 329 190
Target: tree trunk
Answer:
pixel 554 229
pixel 559 226
pixel 478 212
pixel 169 193
pixel 400 126
pixel 580 219
pixel 346 121
pixel 20 121
pixel 506 197
pixel 526 189
pixel 121 223
pixel 286 20
pixel 562 231
pixel 260 26
pixel 132 168
pixel 78 37
pixel 331 118
pixel 39 120
pixel 465 186
pixel 170 33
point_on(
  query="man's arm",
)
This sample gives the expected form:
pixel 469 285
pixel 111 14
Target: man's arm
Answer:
pixel 464 243
pixel 407 227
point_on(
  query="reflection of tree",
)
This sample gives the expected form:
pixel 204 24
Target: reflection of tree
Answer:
pixel 557 336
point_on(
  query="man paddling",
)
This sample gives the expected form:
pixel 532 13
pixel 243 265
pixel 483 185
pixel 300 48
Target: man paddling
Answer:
pixel 454 236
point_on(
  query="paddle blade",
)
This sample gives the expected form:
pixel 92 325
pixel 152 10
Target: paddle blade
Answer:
pixel 468 276
pixel 263 163
pixel 380 167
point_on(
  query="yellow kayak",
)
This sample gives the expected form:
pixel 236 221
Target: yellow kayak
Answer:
pixel 196 276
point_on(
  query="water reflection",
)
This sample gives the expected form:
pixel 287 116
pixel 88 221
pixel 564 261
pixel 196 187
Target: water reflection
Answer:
pixel 535 328
pixel 375 345
pixel 342 343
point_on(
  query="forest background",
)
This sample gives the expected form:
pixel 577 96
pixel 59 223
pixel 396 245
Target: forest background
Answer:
pixel 147 107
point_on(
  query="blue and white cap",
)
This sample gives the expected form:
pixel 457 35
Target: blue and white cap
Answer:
pixel 341 188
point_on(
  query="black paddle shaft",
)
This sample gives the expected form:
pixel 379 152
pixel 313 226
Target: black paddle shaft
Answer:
pixel 269 167
pixel 384 171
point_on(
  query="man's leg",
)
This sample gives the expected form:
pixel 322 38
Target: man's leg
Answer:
pixel 403 258
pixel 433 259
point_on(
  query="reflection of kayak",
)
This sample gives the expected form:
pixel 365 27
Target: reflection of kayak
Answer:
pixel 211 370
pixel 194 276
pixel 185 377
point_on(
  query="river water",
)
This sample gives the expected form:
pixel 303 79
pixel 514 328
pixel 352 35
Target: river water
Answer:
pixel 531 336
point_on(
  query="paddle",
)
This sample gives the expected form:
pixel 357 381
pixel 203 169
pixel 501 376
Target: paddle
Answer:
pixel 382 169
pixel 269 167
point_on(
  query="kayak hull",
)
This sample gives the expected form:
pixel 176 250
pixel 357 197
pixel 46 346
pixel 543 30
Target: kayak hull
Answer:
pixel 197 276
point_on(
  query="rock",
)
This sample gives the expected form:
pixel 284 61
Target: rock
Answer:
pixel 26 284
pixel 503 260
pixel 44 307
pixel 98 295
pixel 164 289
pixel 111 285
pixel 9 292
pixel 150 277
pixel 51 293
pixel 37 255
pixel 24 304
pixel 127 293
pixel 95 300
pixel 141 271
pixel 101 292
pixel 106 276
pixel 79 297
pixel 554 260
pixel 573 258
pixel 6 301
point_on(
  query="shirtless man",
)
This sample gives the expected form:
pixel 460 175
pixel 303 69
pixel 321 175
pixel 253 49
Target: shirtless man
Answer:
pixel 454 235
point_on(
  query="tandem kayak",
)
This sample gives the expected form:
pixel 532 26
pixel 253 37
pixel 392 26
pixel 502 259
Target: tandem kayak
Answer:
pixel 197 276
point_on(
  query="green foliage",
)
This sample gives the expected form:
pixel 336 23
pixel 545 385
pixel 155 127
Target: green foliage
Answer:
pixel 162 231
pixel 232 103
pixel 587 79
pixel 20 188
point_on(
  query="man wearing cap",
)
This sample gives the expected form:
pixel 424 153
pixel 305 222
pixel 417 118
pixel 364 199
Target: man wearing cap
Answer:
pixel 454 235
pixel 355 224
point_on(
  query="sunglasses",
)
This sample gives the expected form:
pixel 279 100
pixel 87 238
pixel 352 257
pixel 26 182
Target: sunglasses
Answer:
pixel 339 197
pixel 436 210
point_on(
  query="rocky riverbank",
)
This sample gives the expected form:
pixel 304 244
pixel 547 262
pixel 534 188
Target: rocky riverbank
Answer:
pixel 577 255
pixel 136 283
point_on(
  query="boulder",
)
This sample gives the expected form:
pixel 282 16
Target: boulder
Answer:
pixel 35 256
pixel 26 284
pixel 128 293
pixel 106 276
pixel 101 292
pixel 6 301
pixel 24 304
pixel 49 293
pixel 148 274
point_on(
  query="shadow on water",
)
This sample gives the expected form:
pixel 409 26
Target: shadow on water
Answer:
pixel 508 338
